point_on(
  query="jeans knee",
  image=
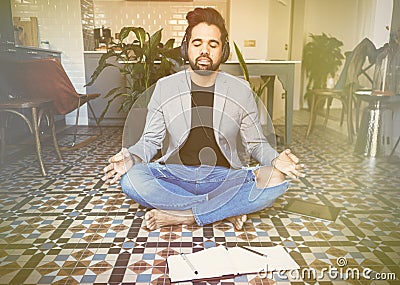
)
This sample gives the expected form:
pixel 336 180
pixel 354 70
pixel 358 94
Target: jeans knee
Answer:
pixel 127 186
pixel 131 192
pixel 125 183
pixel 266 197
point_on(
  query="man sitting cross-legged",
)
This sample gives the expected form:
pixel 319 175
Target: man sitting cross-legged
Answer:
pixel 200 178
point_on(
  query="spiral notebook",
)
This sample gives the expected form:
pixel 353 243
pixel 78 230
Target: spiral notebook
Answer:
pixel 221 262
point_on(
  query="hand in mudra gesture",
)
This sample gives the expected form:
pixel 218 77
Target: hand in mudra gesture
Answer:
pixel 119 165
pixel 288 164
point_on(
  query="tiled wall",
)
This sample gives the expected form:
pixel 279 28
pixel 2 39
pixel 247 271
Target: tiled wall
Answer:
pixel 59 22
pixel 152 16
pixel 87 12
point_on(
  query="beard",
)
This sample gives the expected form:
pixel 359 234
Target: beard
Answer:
pixel 202 68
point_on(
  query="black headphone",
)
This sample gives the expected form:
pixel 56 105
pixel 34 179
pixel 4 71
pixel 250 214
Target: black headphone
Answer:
pixel 225 49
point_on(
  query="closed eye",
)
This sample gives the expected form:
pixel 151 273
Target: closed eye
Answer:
pixel 214 44
pixel 196 43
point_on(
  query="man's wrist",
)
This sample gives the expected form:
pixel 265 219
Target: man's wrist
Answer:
pixel 135 159
pixel 273 162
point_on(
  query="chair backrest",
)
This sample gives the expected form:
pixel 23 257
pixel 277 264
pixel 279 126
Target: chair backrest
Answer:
pixel 354 63
pixel 46 78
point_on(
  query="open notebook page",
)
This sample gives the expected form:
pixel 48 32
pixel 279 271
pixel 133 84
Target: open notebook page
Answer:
pixel 246 261
pixel 278 258
pixel 209 263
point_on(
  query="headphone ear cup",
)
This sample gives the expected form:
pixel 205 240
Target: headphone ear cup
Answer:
pixel 226 50
pixel 184 50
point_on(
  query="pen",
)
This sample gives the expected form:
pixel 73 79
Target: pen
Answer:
pixel 189 263
pixel 253 251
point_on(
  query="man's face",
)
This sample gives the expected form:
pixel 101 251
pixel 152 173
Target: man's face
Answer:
pixel 205 47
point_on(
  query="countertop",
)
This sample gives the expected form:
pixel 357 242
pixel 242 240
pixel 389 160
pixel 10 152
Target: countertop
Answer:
pixel 38 49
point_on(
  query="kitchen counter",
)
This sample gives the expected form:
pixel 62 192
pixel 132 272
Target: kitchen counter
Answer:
pixel 38 49
pixel 94 51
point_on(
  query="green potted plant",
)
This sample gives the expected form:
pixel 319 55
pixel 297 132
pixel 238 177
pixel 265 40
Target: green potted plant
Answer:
pixel 141 61
pixel 322 57
pixel 258 90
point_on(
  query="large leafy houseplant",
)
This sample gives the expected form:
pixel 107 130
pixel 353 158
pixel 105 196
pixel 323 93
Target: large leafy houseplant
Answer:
pixel 258 90
pixel 141 61
pixel 322 56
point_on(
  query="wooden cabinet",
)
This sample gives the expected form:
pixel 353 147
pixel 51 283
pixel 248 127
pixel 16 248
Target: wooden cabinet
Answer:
pixel 26 53
pixel 36 53
pixel 9 54
pixel 8 49
pixel 6 26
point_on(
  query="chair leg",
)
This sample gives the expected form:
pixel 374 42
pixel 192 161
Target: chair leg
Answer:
pixel 76 122
pixel 53 133
pixel 312 115
pixel 92 138
pixel 350 129
pixel 342 115
pixel 358 106
pixel 3 138
pixel 37 140
pixel 328 108
pixel 395 146
pixel 95 117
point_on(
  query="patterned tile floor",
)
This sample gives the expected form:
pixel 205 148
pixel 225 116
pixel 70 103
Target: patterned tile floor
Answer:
pixel 71 228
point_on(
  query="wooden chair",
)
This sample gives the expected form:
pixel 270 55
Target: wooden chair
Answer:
pixel 347 83
pixel 32 89
pixel 37 107
pixel 46 78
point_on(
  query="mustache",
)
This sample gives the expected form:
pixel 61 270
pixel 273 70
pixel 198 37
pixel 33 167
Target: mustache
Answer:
pixel 204 56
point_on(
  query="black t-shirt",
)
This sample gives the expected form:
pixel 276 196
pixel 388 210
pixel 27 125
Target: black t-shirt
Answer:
pixel 200 148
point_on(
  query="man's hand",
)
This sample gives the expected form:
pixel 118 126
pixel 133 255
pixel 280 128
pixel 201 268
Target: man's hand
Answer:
pixel 119 165
pixel 288 164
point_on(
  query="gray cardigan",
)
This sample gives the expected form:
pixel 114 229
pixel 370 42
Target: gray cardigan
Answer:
pixel 235 111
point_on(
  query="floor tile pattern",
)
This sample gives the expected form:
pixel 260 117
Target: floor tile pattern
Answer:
pixel 72 228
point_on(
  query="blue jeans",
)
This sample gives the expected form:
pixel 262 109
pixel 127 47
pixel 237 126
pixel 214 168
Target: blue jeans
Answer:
pixel 213 193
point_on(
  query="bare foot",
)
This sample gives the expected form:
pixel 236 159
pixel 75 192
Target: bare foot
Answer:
pixel 237 221
pixel 268 176
pixel 160 218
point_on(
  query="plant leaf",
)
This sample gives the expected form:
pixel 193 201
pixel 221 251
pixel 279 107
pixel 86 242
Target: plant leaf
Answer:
pixel 169 44
pixel 112 91
pixel 109 102
pixel 155 39
pixel 140 35
pixel 124 33
pixel 138 69
pixel 97 72
pixel 242 63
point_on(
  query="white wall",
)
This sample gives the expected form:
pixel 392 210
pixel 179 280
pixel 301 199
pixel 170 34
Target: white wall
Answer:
pixel 249 21
pixel 59 22
pixel 382 22
pixel 349 21
pixel 259 20
pixel 336 18
pixel 152 16
pixel 395 26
